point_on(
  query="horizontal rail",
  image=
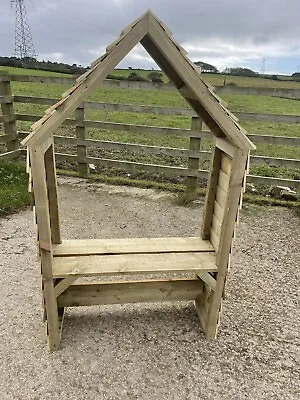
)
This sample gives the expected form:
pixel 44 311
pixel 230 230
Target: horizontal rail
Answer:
pixel 134 166
pixel 243 116
pixel 130 292
pixel 115 84
pixel 10 155
pixel 277 140
pixel 156 130
pixel 275 162
pixel 161 169
pixel 267 181
pixel 177 171
pixel 268 139
pixel 168 151
pixel 153 150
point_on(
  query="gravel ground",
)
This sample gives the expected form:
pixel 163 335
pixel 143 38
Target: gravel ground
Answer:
pixel 154 351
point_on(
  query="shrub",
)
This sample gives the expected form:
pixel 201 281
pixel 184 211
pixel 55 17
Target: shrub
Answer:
pixel 133 76
pixel 155 76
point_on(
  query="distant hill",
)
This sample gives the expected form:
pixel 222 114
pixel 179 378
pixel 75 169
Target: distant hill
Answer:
pixel 32 63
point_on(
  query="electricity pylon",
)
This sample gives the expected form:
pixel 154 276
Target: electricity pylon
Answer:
pixel 24 48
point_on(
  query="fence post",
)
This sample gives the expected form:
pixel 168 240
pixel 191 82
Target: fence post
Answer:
pixel 193 162
pixel 7 109
pixel 83 167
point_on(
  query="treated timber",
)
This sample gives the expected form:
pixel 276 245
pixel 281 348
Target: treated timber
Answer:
pixel 51 180
pixel 215 117
pixel 81 91
pixel 7 109
pixel 44 235
pixel 208 279
pixel 223 181
pixel 193 162
pixel 88 294
pixel 215 239
pixel 227 231
pixel 205 155
pixel 82 152
pixel 242 116
pixel 212 188
pixel 224 145
pixel 97 265
pixel 130 246
pixel 265 180
pixel 63 285
pixel 201 311
pixel 156 130
pixel 268 139
pixel 135 148
pixel 219 211
pixel 10 155
pixel 134 166
pixel 169 151
pixel 226 163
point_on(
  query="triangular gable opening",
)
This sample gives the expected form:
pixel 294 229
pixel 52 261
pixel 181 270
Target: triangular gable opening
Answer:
pixel 172 59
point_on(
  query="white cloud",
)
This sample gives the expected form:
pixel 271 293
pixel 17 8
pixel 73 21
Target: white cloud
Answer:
pixel 231 32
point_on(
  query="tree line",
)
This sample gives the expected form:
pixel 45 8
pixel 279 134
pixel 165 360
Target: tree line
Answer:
pixel 154 76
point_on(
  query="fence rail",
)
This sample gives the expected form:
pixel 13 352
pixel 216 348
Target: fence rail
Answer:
pixel 243 116
pixel 115 84
pixel 203 134
pixel 195 134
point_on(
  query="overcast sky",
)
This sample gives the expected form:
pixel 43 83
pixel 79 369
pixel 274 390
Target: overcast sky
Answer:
pixel 221 32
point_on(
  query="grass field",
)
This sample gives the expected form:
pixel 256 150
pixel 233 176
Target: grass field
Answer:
pixel 257 104
pixel 214 79
pixel 14 185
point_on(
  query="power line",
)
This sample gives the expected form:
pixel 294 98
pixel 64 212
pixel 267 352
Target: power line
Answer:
pixel 24 48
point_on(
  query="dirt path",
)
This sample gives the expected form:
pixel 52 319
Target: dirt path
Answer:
pixel 154 351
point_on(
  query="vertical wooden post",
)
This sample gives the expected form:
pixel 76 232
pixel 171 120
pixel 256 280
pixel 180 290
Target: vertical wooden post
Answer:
pixel 193 162
pixel 83 167
pixel 45 245
pixel 52 194
pixel 7 108
pixel 211 193
pixel 228 226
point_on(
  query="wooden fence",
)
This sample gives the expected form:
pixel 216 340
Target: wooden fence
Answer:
pixel 193 154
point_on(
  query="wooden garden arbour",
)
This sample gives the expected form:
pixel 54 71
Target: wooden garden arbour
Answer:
pixel 63 261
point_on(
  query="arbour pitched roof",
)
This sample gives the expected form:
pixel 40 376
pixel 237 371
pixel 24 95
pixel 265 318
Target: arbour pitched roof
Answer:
pixel 156 38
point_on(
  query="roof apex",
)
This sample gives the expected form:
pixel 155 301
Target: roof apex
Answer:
pixel 171 57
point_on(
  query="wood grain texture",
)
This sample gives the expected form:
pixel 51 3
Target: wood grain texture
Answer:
pixel 124 264
pixel 81 90
pixel 225 244
pixel 45 243
pixel 51 181
pixel 212 113
pixel 211 193
pixel 193 162
pixel 88 294
pixel 7 109
pixel 131 246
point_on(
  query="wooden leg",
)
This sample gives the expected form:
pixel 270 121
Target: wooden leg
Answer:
pixel 52 316
pixel 201 312
pixel 45 245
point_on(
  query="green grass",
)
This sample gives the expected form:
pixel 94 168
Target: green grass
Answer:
pixel 256 104
pixel 32 72
pixel 214 79
pixel 13 187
